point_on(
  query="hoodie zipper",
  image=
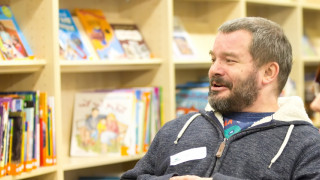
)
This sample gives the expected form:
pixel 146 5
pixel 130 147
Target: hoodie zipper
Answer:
pixel 221 148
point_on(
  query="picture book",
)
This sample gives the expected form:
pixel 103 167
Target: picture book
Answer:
pixel 103 123
pixel 131 41
pixel 191 97
pixel 71 43
pixel 100 33
pixel 182 45
pixel 13 44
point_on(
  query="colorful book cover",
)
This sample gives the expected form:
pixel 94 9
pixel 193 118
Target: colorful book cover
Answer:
pixel 51 108
pixel 71 43
pixel 4 133
pixel 308 48
pixel 140 113
pixel 103 123
pixel 191 100
pixel 182 45
pixel 100 33
pixel 13 44
pixel 43 106
pixel 17 142
pixel 29 110
pixel 131 41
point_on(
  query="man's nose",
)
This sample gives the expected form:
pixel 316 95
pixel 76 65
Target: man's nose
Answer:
pixel 216 68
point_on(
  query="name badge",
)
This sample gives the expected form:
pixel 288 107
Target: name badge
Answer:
pixel 188 155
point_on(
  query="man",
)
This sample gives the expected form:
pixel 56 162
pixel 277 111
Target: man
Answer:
pixel 246 131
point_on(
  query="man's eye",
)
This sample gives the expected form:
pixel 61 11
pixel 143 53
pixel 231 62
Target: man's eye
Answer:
pixel 230 61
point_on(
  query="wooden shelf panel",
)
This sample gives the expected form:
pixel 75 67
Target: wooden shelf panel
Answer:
pixel 311 6
pixel 191 64
pixel 21 66
pixel 288 3
pixel 6 178
pixel 37 172
pixel 104 65
pixel 315 60
pixel 86 162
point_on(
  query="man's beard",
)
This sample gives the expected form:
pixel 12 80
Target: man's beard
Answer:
pixel 242 95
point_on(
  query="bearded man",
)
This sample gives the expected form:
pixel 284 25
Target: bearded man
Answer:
pixel 246 131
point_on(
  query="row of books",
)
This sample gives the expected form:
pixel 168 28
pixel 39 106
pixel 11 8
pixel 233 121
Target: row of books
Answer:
pixel 88 35
pixel 115 122
pixel 27 131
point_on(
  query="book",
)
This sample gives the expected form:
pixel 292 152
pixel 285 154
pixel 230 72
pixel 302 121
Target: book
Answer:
pixel 308 48
pixel 71 42
pixel 43 120
pixel 182 44
pixel 103 123
pixel 191 97
pixel 4 133
pixel 17 144
pixel 13 44
pixel 100 33
pixel 131 41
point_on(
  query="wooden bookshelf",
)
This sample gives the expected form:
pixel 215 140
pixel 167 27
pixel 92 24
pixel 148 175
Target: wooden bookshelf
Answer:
pixel 38 19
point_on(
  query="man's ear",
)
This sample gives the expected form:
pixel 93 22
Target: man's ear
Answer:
pixel 271 71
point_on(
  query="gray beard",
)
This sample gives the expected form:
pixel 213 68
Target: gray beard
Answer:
pixel 243 95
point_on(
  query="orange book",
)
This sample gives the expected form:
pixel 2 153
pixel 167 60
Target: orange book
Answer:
pixel 100 33
pixel 43 107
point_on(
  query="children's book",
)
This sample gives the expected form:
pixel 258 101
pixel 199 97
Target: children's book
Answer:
pixel 13 44
pixel 182 45
pixel 100 33
pixel 71 43
pixel 131 41
pixel 191 97
pixel 103 123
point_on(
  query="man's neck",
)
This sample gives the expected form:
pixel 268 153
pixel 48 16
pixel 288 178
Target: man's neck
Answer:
pixel 263 104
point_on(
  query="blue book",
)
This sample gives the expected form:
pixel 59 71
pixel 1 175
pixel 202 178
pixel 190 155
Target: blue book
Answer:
pixel 70 40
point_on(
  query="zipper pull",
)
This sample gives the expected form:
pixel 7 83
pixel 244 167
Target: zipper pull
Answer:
pixel 221 148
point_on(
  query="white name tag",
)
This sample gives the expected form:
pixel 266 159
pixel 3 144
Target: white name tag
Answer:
pixel 188 155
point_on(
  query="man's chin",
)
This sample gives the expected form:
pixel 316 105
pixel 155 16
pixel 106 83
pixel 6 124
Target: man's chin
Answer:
pixel 219 96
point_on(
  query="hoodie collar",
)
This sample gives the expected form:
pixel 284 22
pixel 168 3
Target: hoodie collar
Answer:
pixel 290 109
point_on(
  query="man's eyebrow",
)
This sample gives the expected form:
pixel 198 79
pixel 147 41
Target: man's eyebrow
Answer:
pixel 225 54
pixel 230 54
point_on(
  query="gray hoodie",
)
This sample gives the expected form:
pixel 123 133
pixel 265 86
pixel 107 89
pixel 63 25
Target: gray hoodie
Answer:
pixel 284 145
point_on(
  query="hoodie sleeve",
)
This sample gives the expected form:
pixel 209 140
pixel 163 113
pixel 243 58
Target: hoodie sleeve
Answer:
pixel 146 167
pixel 308 166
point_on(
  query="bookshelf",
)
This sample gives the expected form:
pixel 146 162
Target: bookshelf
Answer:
pixel 38 19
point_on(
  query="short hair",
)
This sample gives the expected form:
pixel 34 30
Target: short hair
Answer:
pixel 269 44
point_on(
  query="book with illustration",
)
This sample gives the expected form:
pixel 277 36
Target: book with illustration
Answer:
pixel 100 33
pixel 71 43
pixel 191 97
pixel 13 44
pixel 131 41
pixel 103 123
pixel 182 45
